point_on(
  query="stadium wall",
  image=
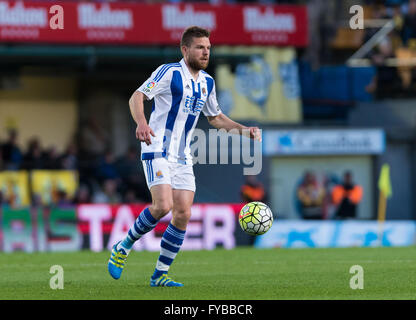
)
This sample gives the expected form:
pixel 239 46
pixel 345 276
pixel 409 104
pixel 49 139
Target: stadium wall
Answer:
pixel 37 99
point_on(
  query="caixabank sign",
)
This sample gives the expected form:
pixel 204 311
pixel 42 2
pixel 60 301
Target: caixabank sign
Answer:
pixel 331 234
pixel 324 142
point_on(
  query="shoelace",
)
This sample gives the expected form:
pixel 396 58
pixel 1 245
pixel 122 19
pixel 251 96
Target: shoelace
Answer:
pixel 165 279
pixel 120 258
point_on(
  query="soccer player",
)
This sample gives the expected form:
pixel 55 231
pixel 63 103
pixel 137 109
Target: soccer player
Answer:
pixel 180 91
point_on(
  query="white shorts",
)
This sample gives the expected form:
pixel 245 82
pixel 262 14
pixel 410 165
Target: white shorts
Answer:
pixel 161 171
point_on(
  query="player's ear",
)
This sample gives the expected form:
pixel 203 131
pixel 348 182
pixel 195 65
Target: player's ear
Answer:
pixel 183 50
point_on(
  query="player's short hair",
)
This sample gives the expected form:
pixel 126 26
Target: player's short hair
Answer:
pixel 193 32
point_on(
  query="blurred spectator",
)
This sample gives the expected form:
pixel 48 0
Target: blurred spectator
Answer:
pixel 131 197
pixel 11 154
pixel 83 195
pixel 131 173
pixel 409 23
pixel 311 197
pixel 394 3
pixel 62 198
pixel 10 194
pixel 108 194
pixel 330 181
pixel 36 200
pixel 51 159
pixel 106 172
pixel 386 81
pixel 106 168
pixel 346 197
pixel 69 160
pixel 32 159
pixel 252 190
pixel 398 18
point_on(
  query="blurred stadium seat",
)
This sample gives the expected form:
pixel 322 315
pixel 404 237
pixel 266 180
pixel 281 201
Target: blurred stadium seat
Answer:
pixel 347 38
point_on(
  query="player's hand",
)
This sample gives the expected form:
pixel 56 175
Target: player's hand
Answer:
pixel 143 132
pixel 255 133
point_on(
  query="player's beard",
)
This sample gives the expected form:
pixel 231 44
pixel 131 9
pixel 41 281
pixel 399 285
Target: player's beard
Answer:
pixel 198 64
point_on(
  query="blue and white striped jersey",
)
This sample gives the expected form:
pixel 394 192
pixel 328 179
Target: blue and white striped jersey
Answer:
pixel 178 101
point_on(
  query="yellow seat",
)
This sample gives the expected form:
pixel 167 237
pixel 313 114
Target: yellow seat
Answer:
pixel 347 38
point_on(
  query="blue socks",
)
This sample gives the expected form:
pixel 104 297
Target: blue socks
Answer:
pixel 172 240
pixel 143 224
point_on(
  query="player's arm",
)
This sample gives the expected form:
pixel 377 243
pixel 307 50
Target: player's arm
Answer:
pixel 143 131
pixel 221 121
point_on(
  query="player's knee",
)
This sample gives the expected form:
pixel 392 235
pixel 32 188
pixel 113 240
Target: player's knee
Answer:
pixel 161 208
pixel 182 217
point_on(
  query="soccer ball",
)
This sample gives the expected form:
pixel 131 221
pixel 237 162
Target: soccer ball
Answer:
pixel 255 218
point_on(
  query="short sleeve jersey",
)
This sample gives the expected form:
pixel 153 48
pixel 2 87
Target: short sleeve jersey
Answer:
pixel 177 103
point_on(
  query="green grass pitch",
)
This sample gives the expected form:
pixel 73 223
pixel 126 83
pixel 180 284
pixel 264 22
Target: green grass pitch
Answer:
pixel 238 274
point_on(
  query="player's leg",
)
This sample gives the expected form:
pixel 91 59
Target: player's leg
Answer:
pixel 173 237
pixel 183 185
pixel 145 222
pixel 161 192
pixel 150 216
